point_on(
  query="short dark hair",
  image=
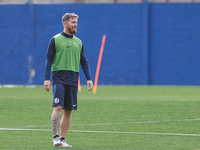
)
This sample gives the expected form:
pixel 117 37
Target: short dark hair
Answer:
pixel 66 16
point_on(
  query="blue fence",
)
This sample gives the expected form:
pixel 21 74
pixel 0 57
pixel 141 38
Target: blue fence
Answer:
pixel 146 43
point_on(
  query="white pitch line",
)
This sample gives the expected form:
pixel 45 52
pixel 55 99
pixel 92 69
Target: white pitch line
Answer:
pixel 145 133
pixel 14 129
pixel 109 132
pixel 158 121
pixel 111 123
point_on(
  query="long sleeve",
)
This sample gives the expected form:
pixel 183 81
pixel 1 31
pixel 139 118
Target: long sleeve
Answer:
pixel 85 66
pixel 49 58
pixel 47 69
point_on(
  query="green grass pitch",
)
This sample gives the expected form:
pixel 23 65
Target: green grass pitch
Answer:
pixel 115 118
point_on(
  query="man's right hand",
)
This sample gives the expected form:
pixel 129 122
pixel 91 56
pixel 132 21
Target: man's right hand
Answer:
pixel 47 85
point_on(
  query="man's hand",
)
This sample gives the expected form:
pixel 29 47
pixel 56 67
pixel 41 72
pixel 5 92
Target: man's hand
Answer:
pixel 89 85
pixel 47 85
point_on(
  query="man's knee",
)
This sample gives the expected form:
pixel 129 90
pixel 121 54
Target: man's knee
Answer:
pixel 67 112
pixel 57 109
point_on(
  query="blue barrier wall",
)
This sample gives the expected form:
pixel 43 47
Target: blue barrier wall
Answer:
pixel 170 33
pixel 175 44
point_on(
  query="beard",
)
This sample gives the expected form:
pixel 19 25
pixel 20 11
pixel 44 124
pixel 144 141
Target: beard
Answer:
pixel 71 31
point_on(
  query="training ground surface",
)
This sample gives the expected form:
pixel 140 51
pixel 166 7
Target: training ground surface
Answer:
pixel 115 118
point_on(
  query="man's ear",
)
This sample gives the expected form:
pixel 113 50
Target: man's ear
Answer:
pixel 64 23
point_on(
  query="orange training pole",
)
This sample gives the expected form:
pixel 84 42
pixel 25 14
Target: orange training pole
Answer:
pixel 99 64
pixel 79 84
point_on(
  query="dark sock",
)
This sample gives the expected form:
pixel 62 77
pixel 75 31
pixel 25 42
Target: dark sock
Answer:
pixel 56 136
pixel 61 139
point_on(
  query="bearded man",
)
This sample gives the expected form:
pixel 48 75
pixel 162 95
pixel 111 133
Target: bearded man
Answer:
pixel 64 55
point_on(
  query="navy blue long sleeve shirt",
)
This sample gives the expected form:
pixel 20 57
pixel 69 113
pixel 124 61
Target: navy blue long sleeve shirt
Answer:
pixel 64 76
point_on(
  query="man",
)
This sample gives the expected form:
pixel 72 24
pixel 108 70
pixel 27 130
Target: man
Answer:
pixel 64 55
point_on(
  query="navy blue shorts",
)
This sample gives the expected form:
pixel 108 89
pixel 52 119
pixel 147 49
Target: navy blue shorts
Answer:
pixel 65 96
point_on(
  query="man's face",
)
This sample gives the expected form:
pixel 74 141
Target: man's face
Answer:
pixel 71 25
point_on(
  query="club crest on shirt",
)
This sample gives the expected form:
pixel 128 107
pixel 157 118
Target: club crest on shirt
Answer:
pixel 56 100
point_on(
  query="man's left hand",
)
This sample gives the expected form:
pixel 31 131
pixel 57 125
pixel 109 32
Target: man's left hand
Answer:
pixel 89 85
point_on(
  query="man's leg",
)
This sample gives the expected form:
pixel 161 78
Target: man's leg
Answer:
pixel 55 120
pixel 55 123
pixel 69 105
pixel 65 122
